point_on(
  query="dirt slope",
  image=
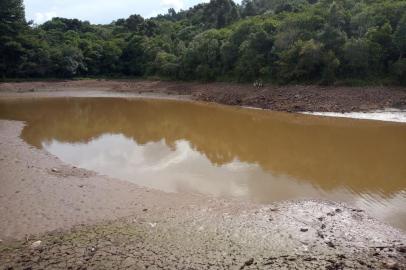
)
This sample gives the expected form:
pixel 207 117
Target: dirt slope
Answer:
pixel 280 98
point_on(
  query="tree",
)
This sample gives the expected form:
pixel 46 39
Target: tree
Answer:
pixel 12 23
pixel 303 61
pixel 361 57
pixel 133 58
pixel 253 55
pixel 166 64
pixel 69 62
pixel 248 8
pixel 336 16
pixel 202 59
pixel 382 36
pixel 330 67
pixel 220 13
pixel 332 38
pixel 400 36
pixel 283 40
pixel 399 69
pixel 12 18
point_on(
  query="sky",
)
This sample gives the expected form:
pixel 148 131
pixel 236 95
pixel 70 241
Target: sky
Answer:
pixel 100 11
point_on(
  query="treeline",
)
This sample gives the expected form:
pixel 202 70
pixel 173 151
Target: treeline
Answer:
pixel 284 41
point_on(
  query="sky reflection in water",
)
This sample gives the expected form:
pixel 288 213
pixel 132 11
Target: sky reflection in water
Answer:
pixel 222 151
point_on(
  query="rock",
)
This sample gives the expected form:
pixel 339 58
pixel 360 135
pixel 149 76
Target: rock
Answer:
pixel 55 170
pixel 304 229
pixel 145 210
pixel 391 264
pixel 357 210
pixel 309 259
pixel 248 263
pixel 330 244
pixel 331 214
pixel 128 262
pixel 401 249
pixel 305 248
pixel 341 256
pixel 36 244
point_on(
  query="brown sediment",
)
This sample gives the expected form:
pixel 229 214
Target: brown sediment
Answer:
pixel 278 98
pixel 85 220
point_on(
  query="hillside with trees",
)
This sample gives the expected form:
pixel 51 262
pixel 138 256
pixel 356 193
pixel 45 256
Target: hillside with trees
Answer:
pixel 294 41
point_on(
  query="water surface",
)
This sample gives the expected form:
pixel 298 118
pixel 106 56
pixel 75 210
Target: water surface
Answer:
pixel 254 155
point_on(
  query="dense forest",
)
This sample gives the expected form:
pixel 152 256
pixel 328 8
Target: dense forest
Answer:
pixel 280 41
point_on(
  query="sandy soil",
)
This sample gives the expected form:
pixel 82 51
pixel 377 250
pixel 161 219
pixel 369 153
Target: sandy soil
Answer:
pixel 90 221
pixel 280 98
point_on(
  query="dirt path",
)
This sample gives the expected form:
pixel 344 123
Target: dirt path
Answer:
pixel 89 221
pixel 280 98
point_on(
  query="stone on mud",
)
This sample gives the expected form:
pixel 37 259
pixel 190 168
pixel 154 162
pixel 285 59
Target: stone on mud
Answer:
pixel 36 244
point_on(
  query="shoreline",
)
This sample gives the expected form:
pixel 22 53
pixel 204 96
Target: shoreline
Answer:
pixel 291 98
pixel 45 200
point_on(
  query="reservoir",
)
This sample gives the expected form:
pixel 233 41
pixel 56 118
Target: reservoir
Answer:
pixel 254 155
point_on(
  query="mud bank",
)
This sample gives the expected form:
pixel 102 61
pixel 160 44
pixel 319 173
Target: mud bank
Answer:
pixel 278 98
pixel 89 221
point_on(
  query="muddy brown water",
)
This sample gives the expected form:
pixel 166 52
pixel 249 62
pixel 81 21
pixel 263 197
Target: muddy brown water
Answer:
pixel 250 154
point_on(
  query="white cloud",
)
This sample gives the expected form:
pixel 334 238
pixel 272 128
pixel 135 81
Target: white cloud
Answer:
pixel 176 4
pixel 101 11
pixel 45 16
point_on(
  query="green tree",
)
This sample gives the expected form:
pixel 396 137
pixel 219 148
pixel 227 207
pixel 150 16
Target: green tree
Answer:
pixel 133 57
pixel 202 59
pixel 12 18
pixel 284 40
pixel 400 36
pixel 220 13
pixel 361 57
pixel 253 56
pixel 303 61
pixel 69 62
pixel 12 24
pixel 399 69
pixel 166 64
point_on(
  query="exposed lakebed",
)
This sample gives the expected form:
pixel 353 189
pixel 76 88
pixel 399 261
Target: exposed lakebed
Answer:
pixel 256 155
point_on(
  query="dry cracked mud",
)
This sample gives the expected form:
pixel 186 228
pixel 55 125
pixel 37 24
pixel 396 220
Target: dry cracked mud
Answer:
pixel 301 235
